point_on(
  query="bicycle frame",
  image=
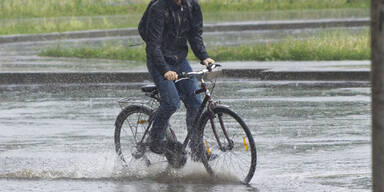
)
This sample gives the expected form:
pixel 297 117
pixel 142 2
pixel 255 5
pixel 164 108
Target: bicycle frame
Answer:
pixel 207 99
pixel 207 105
pixel 216 132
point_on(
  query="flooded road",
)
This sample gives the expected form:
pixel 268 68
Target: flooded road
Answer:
pixel 310 136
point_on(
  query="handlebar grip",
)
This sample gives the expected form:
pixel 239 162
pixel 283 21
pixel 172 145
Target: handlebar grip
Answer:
pixel 211 65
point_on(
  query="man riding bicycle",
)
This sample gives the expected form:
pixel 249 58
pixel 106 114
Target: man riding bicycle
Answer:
pixel 171 24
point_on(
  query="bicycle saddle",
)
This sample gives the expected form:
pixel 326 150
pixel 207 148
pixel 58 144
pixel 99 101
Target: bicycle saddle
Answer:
pixel 148 88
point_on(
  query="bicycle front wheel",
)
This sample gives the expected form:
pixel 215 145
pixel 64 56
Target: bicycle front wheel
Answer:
pixel 230 150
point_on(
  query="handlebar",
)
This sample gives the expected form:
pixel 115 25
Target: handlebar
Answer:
pixel 188 75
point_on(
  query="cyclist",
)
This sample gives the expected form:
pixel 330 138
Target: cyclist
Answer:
pixel 171 24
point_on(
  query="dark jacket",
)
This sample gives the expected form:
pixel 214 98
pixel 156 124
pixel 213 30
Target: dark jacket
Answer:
pixel 170 26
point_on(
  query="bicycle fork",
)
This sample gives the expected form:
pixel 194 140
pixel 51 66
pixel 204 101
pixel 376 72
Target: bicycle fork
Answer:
pixel 214 129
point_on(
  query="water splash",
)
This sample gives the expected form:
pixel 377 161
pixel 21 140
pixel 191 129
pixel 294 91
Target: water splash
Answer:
pixel 106 167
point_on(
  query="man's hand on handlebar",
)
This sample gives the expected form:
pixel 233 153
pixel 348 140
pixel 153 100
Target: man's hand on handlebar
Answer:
pixel 171 75
pixel 207 62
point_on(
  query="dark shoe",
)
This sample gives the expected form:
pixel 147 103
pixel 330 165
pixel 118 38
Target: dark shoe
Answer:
pixel 196 150
pixel 196 155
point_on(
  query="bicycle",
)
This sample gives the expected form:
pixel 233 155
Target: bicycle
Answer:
pixel 224 145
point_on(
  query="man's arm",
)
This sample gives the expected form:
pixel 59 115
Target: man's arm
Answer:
pixel 155 35
pixel 195 35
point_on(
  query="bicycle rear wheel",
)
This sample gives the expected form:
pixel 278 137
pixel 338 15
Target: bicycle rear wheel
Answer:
pixel 130 127
pixel 228 144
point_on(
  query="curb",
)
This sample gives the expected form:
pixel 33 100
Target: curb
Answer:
pixel 124 77
pixel 242 26
pixel 72 77
pixel 68 35
pixel 295 24
pixel 298 75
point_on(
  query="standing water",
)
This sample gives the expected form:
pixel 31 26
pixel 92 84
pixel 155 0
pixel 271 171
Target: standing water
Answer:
pixel 310 136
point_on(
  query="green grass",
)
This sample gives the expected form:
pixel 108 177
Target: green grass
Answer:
pixel 60 24
pixel 335 46
pixel 45 16
pixel 272 5
pixel 297 50
pixel 55 8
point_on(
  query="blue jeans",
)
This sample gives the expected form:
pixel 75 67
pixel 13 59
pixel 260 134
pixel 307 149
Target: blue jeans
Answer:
pixel 170 94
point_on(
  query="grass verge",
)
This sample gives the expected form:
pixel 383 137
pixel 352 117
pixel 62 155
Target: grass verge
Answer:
pixel 45 16
pixel 336 46
pixel 56 8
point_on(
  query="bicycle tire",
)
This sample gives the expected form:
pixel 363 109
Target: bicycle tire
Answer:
pixel 125 149
pixel 242 155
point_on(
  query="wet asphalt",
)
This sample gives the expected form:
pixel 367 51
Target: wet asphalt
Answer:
pixel 310 136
